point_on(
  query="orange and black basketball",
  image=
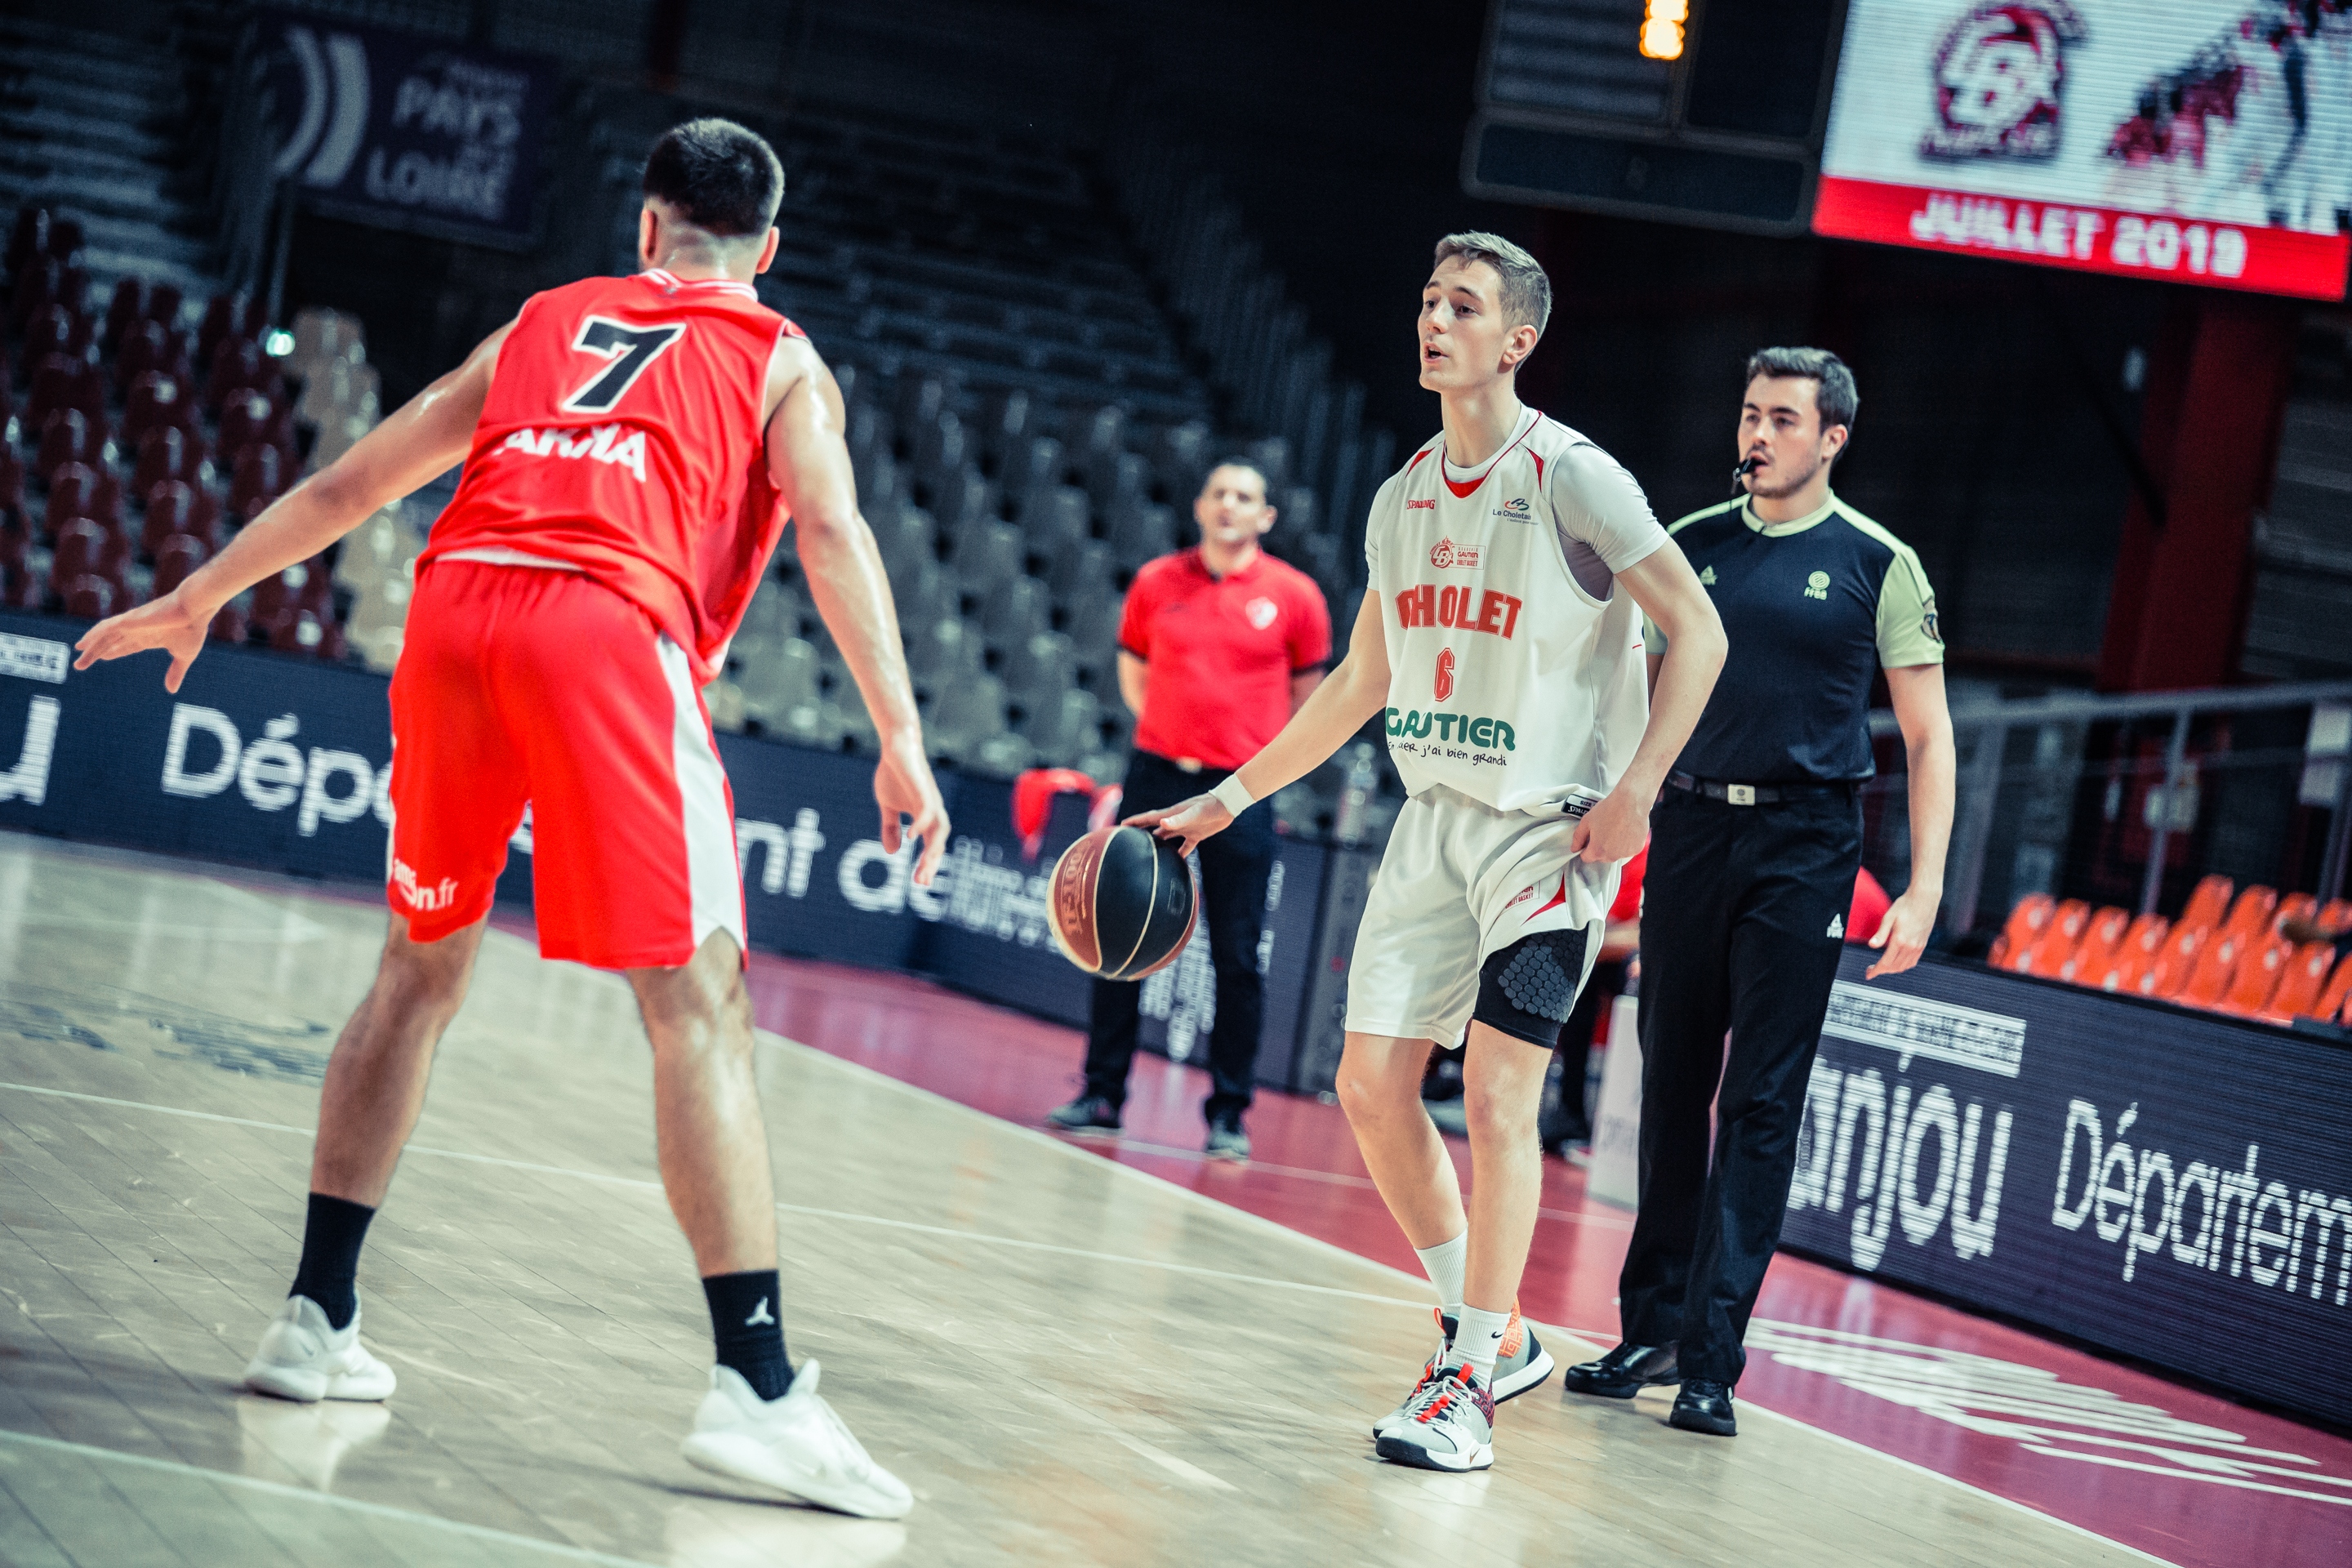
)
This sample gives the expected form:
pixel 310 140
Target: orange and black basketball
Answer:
pixel 1123 902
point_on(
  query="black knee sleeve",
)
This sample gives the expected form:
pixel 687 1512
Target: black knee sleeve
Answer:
pixel 1527 989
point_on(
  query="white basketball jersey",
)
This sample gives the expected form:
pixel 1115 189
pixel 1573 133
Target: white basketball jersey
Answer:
pixel 1507 680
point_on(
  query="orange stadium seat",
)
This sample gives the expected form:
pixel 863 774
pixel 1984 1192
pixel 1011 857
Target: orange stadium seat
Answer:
pixel 2258 976
pixel 2251 915
pixel 2209 903
pixel 2142 945
pixel 2059 940
pixel 2169 971
pixel 2026 923
pixel 2216 970
pixel 2336 914
pixel 2302 982
pixel 2101 947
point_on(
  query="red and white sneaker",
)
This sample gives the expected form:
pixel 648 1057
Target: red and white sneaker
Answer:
pixel 1452 1427
pixel 1521 1365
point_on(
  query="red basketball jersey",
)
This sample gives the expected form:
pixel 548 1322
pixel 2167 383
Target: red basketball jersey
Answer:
pixel 622 435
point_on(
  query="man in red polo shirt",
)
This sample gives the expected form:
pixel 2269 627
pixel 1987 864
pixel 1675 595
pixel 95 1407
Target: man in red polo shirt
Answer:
pixel 1218 647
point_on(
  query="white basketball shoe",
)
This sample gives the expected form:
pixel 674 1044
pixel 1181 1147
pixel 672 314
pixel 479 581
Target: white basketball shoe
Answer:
pixel 302 1357
pixel 794 1444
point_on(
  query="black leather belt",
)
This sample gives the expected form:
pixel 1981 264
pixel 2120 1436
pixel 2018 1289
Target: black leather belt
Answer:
pixel 1754 794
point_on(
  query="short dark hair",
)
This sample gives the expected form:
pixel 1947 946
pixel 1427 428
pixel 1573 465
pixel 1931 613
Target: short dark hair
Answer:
pixel 1527 289
pixel 1238 461
pixel 717 176
pixel 1833 390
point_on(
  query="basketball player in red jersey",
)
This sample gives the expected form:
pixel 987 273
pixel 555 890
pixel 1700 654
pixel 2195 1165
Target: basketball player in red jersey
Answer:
pixel 633 448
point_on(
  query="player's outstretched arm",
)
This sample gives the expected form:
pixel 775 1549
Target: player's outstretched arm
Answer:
pixel 1663 583
pixel 1332 713
pixel 426 436
pixel 808 458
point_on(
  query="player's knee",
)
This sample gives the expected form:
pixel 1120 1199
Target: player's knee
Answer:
pixel 1501 1108
pixel 1367 1085
pixel 1527 990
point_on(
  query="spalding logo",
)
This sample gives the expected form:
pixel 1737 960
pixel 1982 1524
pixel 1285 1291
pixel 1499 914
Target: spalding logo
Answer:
pixel 1443 685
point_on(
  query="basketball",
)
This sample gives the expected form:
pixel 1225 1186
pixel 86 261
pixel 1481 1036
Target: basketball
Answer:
pixel 1123 902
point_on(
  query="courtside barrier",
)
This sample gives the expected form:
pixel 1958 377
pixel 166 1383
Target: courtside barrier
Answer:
pixel 285 765
pixel 2172 1185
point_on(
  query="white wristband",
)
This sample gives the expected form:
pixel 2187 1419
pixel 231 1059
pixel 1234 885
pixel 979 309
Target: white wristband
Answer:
pixel 1234 795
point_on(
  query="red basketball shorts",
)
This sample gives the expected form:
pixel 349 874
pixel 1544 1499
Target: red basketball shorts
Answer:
pixel 523 685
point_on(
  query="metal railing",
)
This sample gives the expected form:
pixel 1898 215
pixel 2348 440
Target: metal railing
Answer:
pixel 2130 799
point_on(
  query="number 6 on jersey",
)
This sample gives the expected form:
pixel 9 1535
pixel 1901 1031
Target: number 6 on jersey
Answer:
pixel 631 350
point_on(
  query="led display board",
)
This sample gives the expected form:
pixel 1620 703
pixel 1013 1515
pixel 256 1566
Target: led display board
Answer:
pixel 2204 141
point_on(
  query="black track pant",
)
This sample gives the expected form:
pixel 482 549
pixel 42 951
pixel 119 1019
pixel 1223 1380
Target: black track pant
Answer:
pixel 1234 868
pixel 1735 935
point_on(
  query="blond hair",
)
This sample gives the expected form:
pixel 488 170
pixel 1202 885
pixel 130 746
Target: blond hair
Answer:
pixel 1527 291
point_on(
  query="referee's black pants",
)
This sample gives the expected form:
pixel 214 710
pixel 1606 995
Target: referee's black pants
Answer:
pixel 1234 869
pixel 1736 918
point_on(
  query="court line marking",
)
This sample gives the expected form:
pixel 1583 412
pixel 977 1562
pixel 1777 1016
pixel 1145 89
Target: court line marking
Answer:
pixel 886 1221
pixel 1072 1150
pixel 1078 1151
pixel 304 1494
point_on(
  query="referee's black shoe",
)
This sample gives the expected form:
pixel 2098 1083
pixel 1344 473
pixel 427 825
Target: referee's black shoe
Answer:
pixel 1703 1407
pixel 1623 1372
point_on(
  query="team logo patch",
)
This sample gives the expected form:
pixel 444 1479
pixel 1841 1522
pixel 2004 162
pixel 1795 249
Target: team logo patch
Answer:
pixel 1261 613
pixel 1817 586
pixel 1933 625
pixel 1445 555
pixel 2000 71
pixel 1444 683
pixel 1707 577
pixel 1516 509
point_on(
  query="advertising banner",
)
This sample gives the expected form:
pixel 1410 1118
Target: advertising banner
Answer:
pixel 2194 141
pixel 2168 1185
pixel 403 131
pixel 287 765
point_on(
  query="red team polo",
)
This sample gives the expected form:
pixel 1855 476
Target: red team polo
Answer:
pixel 1222 651
pixel 613 521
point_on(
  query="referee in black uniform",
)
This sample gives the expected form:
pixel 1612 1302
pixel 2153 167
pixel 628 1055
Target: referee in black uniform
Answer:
pixel 1754 846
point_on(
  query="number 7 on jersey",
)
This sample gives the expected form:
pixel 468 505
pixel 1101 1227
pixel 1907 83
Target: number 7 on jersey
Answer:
pixel 631 350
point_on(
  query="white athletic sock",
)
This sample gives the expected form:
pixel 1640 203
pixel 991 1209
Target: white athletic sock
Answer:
pixel 1445 1263
pixel 1479 1340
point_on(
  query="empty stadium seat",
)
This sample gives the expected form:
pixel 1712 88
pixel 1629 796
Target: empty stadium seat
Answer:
pixel 2335 915
pixel 1042 664
pixel 2168 973
pixel 68 436
pixel 79 490
pixel 2291 907
pixel 88 598
pixel 2142 945
pixel 249 419
pixel 2216 970
pixel 158 399
pixel 1063 729
pixel 781 691
pixel 176 555
pixel 2258 975
pixel 903 535
pixel 260 478
pixel 944 649
pixel 2208 903
pixel 1014 613
pixel 165 452
pixel 987 559
pixel 2028 919
pixel 125 306
pixel 2059 939
pixel 2302 980
pixel 2251 915
pixel 1141 533
pixel 1081 572
pixel 2100 948
pixel 229 626
pixel 175 506
pixel 961 503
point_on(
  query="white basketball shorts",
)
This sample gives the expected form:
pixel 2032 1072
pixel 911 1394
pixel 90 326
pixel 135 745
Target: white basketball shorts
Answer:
pixel 1460 882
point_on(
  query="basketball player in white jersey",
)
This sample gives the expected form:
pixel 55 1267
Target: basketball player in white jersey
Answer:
pixel 1511 561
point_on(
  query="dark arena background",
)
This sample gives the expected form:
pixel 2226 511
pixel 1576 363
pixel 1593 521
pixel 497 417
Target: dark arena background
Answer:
pixel 2066 1275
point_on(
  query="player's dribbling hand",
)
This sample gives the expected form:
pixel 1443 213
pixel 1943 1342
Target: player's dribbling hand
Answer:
pixel 1614 830
pixel 1189 821
pixel 903 787
pixel 171 623
pixel 1903 935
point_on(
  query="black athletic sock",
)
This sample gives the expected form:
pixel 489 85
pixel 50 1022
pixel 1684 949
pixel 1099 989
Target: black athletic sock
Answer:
pixel 743 1322
pixel 332 1240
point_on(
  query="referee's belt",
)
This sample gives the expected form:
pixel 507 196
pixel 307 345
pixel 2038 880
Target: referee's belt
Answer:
pixel 1754 794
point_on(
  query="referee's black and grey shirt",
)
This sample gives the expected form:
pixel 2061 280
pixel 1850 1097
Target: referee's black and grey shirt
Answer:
pixel 1813 608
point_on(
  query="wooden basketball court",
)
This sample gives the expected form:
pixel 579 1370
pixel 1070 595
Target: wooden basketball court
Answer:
pixel 1069 1360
